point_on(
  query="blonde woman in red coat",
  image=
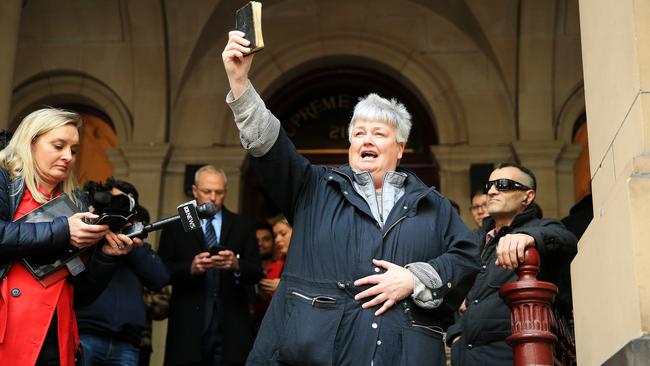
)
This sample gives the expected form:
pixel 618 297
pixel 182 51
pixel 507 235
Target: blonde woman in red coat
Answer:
pixel 37 321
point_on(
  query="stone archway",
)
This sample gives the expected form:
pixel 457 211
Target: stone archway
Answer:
pixel 429 80
pixel 570 113
pixel 65 87
pixel 106 119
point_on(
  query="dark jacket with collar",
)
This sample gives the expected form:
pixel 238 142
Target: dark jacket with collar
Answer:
pixel 313 318
pixel 19 240
pixel 188 302
pixel 486 323
pixel 119 311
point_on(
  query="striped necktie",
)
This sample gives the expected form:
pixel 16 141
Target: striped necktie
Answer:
pixel 210 234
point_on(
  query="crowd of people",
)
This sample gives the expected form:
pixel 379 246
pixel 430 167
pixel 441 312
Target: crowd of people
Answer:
pixel 366 265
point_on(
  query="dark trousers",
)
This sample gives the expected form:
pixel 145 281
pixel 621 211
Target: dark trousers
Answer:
pixel 107 350
pixel 211 351
pixel 49 354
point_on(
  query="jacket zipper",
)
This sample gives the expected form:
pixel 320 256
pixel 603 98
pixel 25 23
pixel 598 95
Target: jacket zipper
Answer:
pixel 392 226
pixel 316 299
pixel 352 186
pixel 404 216
pixel 398 220
pixel 431 328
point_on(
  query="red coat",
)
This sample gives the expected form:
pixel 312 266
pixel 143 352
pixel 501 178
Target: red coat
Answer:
pixel 26 309
pixel 272 270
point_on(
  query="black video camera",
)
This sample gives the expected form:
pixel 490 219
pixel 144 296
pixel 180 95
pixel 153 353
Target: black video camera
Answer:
pixel 116 211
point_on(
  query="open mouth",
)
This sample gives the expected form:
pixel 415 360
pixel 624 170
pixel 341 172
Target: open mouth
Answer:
pixel 367 155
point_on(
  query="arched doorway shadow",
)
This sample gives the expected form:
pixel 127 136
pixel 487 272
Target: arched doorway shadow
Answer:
pixel 315 107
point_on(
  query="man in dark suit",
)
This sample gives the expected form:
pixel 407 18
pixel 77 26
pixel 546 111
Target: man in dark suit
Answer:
pixel 209 318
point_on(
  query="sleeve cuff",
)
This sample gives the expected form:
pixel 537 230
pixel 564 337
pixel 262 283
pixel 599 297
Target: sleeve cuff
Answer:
pixel 426 281
pixel 101 257
pixel 230 98
pixel 258 128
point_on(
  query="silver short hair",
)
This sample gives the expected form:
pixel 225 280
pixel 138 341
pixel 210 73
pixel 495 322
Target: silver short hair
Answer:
pixel 390 111
pixel 211 169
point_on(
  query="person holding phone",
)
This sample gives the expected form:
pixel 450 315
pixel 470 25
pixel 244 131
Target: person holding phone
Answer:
pixel 37 322
pixel 211 273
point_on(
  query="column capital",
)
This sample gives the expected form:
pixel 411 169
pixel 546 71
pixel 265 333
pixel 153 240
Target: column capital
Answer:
pixel 130 158
pixel 458 158
pixel 538 154
pixel 230 159
pixel 568 157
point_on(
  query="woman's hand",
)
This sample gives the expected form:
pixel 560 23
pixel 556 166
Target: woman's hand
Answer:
pixel 82 234
pixel 119 244
pixel 237 62
pixel 388 288
pixel 269 285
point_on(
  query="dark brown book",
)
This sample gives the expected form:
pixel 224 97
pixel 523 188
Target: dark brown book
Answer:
pixel 249 21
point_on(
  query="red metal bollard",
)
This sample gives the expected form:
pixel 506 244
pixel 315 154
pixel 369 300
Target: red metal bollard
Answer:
pixel 530 313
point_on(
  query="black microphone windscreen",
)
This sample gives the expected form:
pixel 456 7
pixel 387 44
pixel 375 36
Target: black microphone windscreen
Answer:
pixel 102 199
pixel 206 210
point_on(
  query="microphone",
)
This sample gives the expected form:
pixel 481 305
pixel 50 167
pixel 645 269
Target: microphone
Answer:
pixel 189 215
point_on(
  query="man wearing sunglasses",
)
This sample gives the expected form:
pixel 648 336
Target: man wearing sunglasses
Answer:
pixel 479 335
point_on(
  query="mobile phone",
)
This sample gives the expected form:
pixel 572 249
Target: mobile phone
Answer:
pixel 215 249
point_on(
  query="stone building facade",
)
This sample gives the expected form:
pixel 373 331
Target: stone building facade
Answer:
pixel 490 81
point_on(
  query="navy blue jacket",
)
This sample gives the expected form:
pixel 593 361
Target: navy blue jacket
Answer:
pixel 313 318
pixel 19 240
pixel 119 311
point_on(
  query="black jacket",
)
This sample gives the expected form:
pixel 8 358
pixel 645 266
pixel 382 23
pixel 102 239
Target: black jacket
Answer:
pixel 119 311
pixel 486 323
pixel 313 318
pixel 187 304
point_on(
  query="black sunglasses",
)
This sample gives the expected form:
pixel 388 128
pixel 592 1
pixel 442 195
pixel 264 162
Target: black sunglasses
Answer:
pixel 505 184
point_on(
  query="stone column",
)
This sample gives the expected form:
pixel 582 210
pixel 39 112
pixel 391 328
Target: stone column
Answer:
pixel 541 158
pixel 536 50
pixel 9 26
pixel 611 273
pixel 455 162
pixel 150 86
